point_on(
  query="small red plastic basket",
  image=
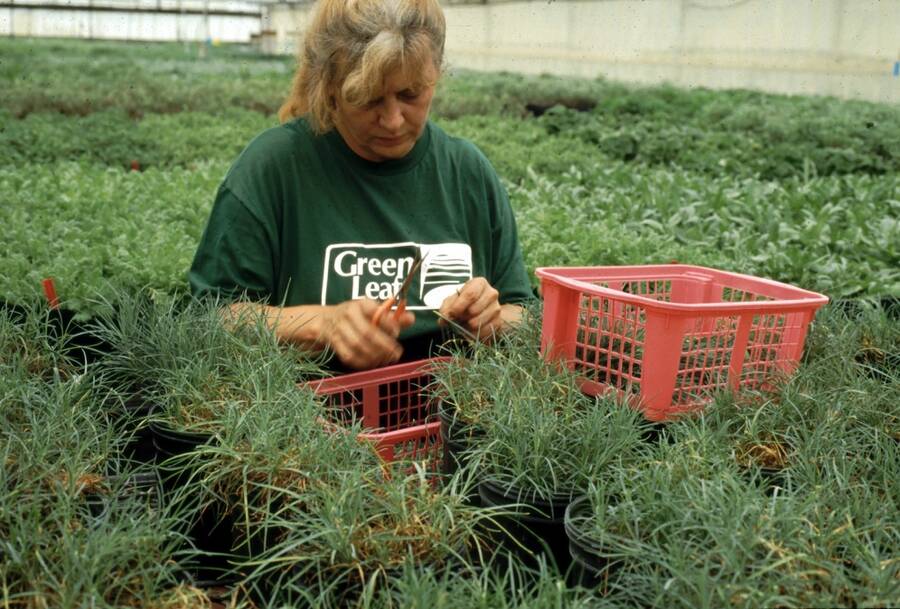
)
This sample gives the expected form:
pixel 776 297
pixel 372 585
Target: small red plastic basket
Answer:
pixel 396 409
pixel 667 337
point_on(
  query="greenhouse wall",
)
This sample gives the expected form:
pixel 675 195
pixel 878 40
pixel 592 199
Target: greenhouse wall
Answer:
pixel 183 20
pixel 845 48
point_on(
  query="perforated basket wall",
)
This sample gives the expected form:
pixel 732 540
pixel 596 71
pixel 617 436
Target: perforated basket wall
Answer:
pixel 396 409
pixel 667 337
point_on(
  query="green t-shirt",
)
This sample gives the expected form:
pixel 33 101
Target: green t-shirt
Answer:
pixel 302 219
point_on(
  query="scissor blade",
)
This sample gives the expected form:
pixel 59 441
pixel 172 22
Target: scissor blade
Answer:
pixel 407 281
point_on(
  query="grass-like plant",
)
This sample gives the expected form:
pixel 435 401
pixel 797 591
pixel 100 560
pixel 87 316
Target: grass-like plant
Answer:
pixel 469 382
pixel 540 433
pixel 317 517
pixel 688 526
pixel 358 530
pixel 191 363
pixel 546 447
pixel 506 585
pixel 74 530
pixel 31 347
pixel 673 536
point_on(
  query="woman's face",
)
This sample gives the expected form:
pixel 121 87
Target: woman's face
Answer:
pixel 388 126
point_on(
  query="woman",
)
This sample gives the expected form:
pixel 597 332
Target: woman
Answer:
pixel 320 219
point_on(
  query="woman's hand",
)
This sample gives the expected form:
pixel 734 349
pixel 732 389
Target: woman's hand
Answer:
pixel 348 330
pixel 476 306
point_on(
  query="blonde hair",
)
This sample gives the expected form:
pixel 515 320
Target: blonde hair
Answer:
pixel 352 45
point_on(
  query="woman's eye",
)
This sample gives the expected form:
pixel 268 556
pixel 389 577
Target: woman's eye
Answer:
pixel 409 95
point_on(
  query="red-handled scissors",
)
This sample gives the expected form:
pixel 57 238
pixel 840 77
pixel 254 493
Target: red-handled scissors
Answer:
pixel 398 299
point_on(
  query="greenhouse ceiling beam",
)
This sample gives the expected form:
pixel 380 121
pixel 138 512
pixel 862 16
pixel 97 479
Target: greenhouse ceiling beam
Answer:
pixel 126 9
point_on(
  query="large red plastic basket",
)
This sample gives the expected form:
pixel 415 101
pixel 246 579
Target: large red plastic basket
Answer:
pixel 396 409
pixel 667 337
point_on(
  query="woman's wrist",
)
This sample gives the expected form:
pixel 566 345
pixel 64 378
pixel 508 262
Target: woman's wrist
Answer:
pixel 511 314
pixel 306 326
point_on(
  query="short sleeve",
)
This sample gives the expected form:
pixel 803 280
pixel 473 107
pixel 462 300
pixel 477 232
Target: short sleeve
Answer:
pixel 508 273
pixel 234 258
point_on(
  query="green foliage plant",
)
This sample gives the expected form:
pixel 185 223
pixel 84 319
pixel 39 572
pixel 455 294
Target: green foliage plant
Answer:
pixel 29 349
pixel 318 517
pixel 193 363
pixel 95 230
pixel 541 434
pixel 73 533
pixel 503 586
pixel 688 527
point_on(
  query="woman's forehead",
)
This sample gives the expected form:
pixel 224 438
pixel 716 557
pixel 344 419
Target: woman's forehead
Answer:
pixel 366 83
pixel 409 76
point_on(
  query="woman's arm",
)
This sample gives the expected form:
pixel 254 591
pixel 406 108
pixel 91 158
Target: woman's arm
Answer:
pixel 345 328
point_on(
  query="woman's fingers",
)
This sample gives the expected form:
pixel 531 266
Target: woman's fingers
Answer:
pixel 469 300
pixel 476 305
pixel 487 322
pixel 358 342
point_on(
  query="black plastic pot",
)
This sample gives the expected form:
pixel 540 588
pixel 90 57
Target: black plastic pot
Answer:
pixel 652 433
pixel 135 414
pixel 171 442
pixel 590 566
pixel 769 479
pixel 168 443
pixel 15 312
pixel 534 527
pixel 769 474
pixel 457 436
pixel 144 486
pixel 853 307
pixel 81 343
pixel 78 341
pixel 773 479
pixel 211 531
pixel 891 305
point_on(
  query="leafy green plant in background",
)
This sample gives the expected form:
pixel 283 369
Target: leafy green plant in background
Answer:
pixel 765 136
pixel 91 228
pixel 97 230
pixel 803 190
pixel 77 79
pixel 741 133
pixel 834 235
pixel 112 138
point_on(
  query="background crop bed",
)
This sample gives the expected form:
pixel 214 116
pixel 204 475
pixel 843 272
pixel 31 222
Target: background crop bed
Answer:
pixel 804 190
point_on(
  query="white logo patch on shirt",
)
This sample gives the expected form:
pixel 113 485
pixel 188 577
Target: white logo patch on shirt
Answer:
pixel 364 270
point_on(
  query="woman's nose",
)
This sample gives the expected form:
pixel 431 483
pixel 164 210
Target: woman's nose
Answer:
pixel 391 116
